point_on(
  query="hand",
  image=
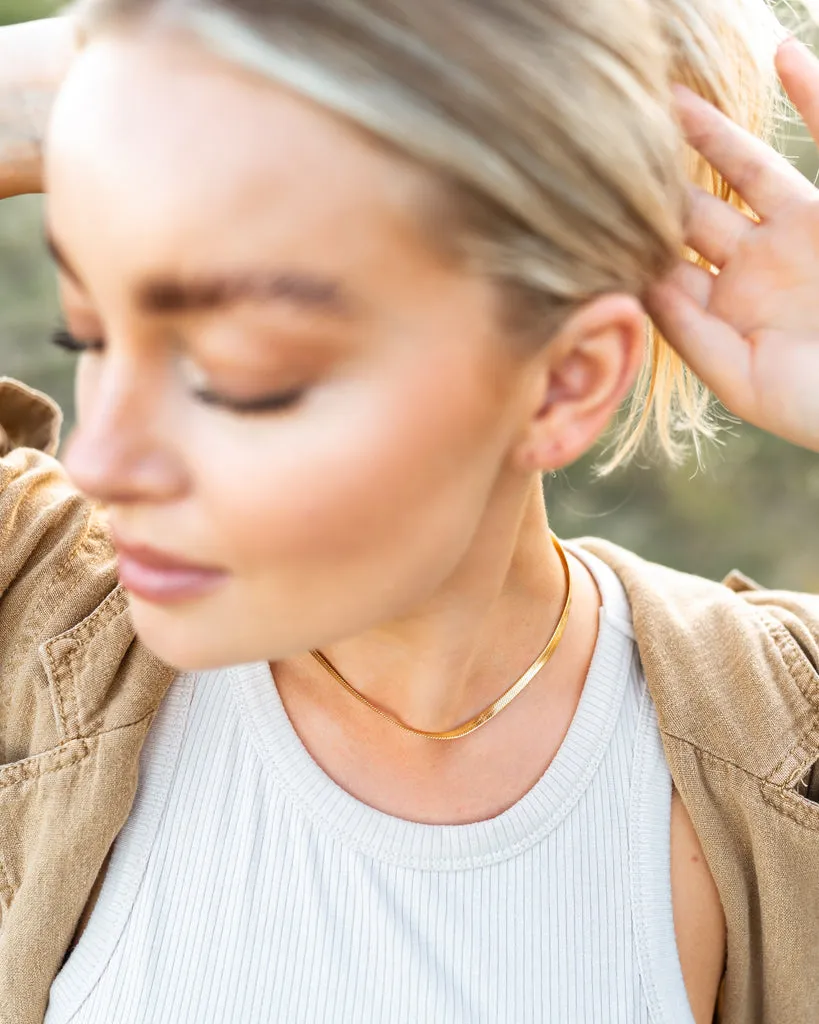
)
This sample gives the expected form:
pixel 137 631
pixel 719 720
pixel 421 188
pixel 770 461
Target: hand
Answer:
pixel 34 57
pixel 751 332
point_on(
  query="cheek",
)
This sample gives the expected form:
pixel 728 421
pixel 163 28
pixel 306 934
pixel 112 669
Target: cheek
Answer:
pixel 85 384
pixel 367 471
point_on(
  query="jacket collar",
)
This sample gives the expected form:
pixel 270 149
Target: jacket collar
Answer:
pixel 30 419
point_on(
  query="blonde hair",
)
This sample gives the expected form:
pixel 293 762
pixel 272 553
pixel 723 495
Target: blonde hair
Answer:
pixel 550 123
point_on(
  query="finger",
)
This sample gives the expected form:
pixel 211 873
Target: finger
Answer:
pixel 798 69
pixel 716 352
pixel 763 177
pixel 714 228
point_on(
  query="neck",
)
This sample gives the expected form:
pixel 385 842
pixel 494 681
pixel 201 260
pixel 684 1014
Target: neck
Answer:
pixel 447 661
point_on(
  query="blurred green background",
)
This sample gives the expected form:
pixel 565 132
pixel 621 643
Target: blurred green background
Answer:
pixel 753 505
pixel 25 10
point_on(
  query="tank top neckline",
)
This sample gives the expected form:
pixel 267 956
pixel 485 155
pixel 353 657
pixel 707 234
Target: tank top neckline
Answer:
pixel 412 844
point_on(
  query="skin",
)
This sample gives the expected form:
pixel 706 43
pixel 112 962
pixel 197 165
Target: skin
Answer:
pixel 752 332
pixel 414 550
pixel 34 57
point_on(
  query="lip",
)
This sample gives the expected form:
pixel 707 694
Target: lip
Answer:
pixel 161 578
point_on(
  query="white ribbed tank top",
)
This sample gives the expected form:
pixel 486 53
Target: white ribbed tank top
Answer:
pixel 247 887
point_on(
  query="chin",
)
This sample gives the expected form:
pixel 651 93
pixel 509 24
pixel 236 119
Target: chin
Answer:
pixel 187 657
pixel 208 633
pixel 188 643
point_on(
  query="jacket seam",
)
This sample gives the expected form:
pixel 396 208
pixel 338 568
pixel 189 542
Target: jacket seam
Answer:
pixel 65 697
pixel 766 786
pixel 90 620
pixel 34 769
pixel 787 802
pixel 119 728
pixel 58 697
pixel 806 679
pixel 799 666
pixel 803 752
pixel 710 756
pixel 802 670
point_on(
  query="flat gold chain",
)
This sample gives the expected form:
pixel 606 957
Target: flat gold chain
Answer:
pixel 497 706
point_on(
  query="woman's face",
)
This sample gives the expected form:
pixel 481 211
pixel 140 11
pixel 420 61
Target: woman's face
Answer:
pixel 220 235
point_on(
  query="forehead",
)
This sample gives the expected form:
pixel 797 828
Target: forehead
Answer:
pixel 169 152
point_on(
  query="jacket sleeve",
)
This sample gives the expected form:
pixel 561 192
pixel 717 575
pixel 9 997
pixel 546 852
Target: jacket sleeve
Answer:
pixel 799 614
pixel 56 565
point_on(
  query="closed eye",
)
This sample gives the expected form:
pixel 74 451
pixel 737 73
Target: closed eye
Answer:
pixel 277 402
pixel 267 403
pixel 66 340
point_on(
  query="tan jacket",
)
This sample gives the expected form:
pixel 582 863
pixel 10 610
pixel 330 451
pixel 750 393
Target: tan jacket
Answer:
pixel 732 669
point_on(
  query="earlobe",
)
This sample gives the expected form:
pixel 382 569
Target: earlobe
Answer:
pixel 588 370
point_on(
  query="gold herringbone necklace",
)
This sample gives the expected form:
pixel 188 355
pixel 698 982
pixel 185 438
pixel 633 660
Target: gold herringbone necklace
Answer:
pixel 497 706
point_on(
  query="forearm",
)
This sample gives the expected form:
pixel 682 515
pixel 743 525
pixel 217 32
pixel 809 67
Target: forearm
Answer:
pixel 33 60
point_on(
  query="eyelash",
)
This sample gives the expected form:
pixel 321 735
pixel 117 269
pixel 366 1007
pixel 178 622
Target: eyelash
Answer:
pixel 272 403
pixel 66 340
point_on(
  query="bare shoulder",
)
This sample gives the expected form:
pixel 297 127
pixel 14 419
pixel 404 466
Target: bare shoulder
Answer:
pixel 699 920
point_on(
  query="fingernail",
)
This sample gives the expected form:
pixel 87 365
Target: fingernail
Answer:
pixel 687 103
pixel 683 94
pixel 793 41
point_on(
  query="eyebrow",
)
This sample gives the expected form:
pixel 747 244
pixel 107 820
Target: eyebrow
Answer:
pixel 205 293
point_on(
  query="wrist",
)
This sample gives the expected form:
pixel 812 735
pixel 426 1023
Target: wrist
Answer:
pixel 21 176
pixel 21 147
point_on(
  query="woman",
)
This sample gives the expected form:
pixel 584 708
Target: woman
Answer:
pixel 345 280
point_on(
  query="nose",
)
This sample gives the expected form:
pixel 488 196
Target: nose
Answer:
pixel 116 454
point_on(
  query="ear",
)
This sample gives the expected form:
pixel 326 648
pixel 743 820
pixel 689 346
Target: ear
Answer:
pixel 582 377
